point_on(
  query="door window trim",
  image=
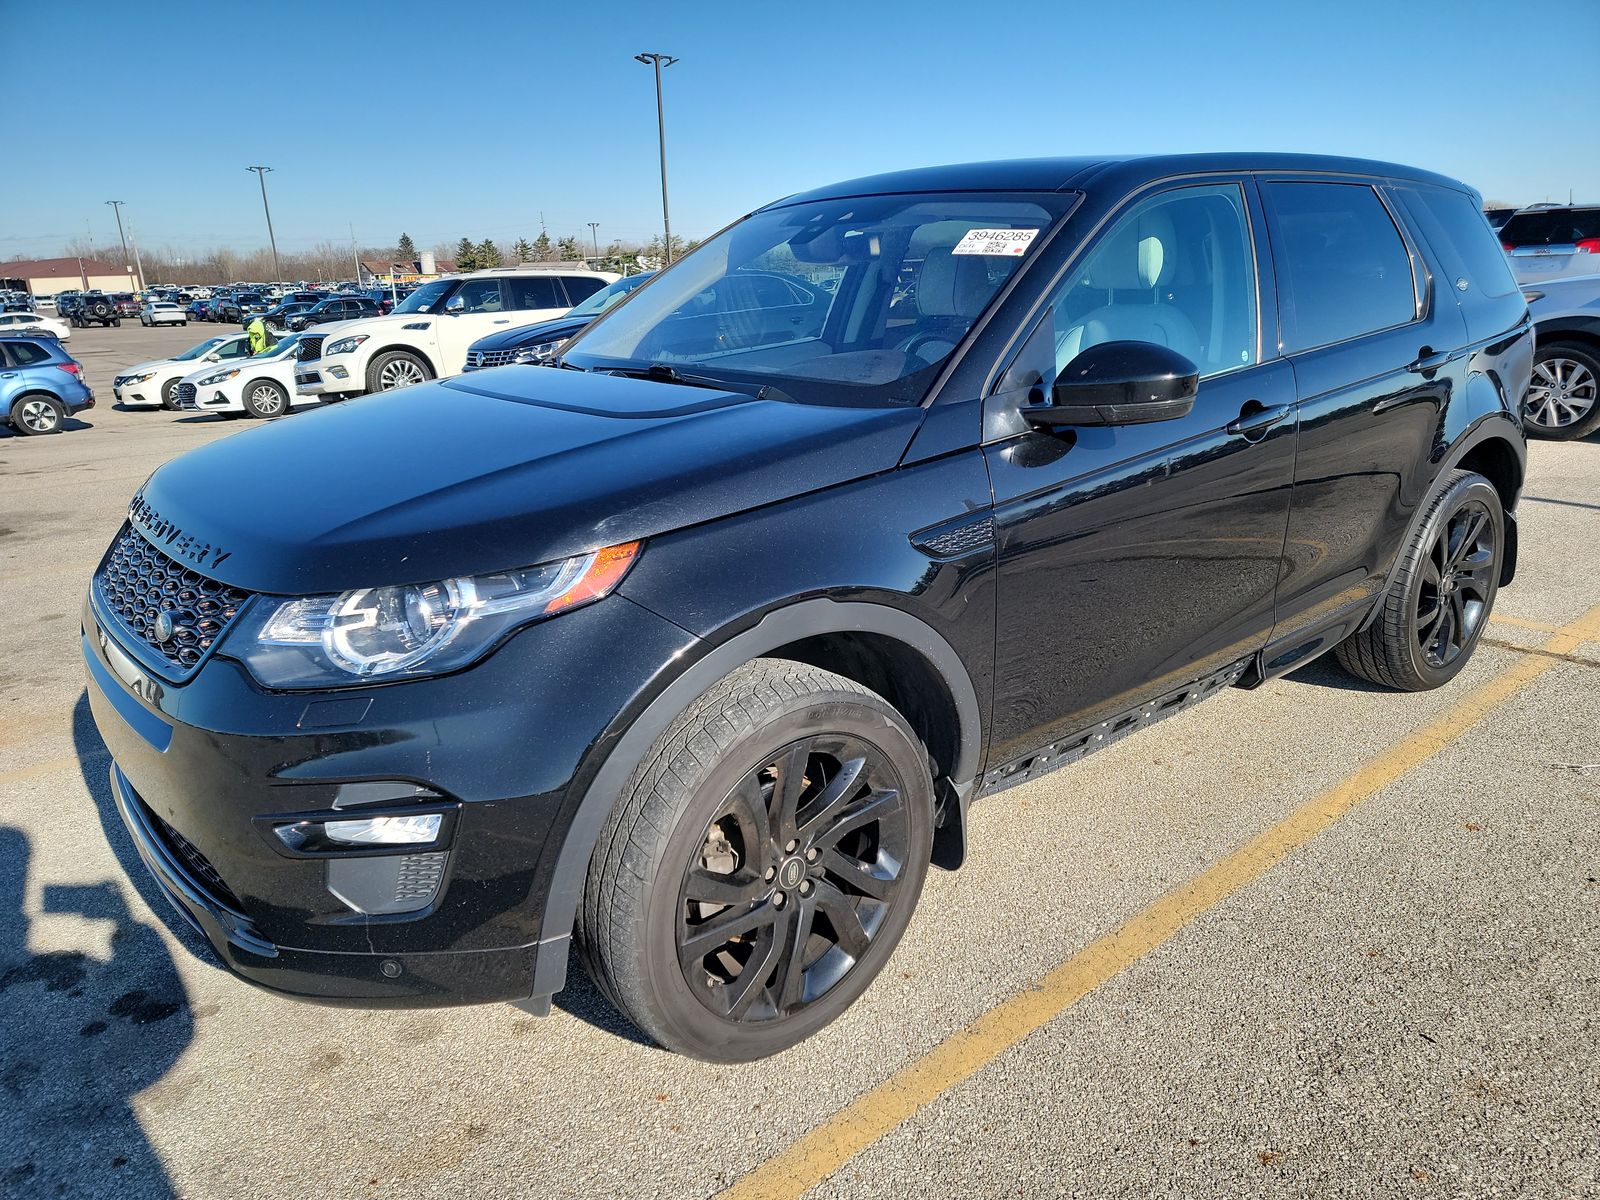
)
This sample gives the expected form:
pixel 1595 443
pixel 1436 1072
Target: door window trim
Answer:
pixel 1421 274
pixel 1093 238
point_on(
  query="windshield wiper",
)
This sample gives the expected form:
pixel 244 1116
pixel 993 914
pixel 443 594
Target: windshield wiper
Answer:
pixel 664 373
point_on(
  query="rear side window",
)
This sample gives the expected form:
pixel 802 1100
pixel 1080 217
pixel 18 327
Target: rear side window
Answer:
pixel 27 354
pixel 537 291
pixel 1343 269
pixel 1552 227
pixel 1460 235
pixel 580 289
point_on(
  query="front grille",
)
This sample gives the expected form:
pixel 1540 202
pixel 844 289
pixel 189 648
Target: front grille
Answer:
pixel 309 347
pixel 186 395
pixel 138 583
pixel 199 865
pixel 478 360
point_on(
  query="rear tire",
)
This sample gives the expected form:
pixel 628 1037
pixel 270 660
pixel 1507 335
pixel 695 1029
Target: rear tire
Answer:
pixel 1439 604
pixel 1563 401
pixel 36 415
pixel 761 865
pixel 264 399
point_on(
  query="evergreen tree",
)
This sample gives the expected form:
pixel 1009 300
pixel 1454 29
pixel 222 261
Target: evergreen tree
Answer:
pixel 522 251
pixel 489 254
pixel 568 249
pixel 466 255
pixel 407 249
pixel 541 247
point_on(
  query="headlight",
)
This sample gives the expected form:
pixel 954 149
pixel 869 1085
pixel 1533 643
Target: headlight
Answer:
pixel 413 629
pixel 537 352
pixel 218 377
pixel 345 345
pixel 132 379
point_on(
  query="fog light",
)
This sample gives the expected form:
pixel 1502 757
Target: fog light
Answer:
pixel 385 831
pixel 338 372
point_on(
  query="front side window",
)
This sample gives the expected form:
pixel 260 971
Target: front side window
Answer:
pixel 477 296
pixel 236 347
pixel 1343 269
pixel 1176 271
pixel 909 276
pixel 428 298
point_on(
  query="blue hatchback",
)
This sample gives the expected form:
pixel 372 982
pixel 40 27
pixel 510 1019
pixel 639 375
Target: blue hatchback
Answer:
pixel 40 384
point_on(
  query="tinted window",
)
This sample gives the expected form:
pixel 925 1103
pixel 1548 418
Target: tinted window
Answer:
pixel 26 354
pixel 1342 266
pixel 538 291
pixel 234 348
pixel 1551 227
pixel 1176 271
pixel 1460 233
pixel 580 289
pixel 478 296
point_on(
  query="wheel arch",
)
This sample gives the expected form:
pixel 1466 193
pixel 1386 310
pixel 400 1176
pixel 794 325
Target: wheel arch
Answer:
pixel 863 641
pixel 31 392
pixel 404 348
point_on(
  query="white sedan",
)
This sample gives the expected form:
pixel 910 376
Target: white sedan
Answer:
pixel 154 384
pixel 23 322
pixel 262 386
pixel 161 312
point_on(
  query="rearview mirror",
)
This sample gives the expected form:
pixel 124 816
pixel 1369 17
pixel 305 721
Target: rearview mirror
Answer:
pixel 1120 383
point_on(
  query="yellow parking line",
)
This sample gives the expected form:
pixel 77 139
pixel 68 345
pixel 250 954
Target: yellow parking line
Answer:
pixel 795 1171
pixel 23 774
pixel 1520 623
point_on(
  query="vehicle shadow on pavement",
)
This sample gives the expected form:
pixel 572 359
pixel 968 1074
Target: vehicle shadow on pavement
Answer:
pixel 1325 671
pixel 70 425
pixel 581 999
pixel 80 1035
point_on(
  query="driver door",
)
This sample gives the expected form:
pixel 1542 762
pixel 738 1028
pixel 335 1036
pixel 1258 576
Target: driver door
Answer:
pixel 477 309
pixel 1137 558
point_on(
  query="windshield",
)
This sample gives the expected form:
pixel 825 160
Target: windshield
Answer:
pixel 426 297
pixel 607 296
pixel 856 300
pixel 279 347
pixel 1551 227
pixel 197 351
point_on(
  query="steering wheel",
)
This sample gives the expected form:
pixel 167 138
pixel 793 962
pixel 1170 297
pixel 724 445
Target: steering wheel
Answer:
pixel 922 337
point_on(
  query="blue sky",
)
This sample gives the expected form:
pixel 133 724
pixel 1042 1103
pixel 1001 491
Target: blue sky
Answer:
pixel 452 117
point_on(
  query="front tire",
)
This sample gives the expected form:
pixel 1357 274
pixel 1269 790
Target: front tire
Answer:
pixel 396 369
pixel 1438 606
pixel 264 400
pixel 761 865
pixel 169 394
pixel 1564 395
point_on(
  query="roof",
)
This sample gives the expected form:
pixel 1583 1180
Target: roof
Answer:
pixel 58 268
pixel 1120 172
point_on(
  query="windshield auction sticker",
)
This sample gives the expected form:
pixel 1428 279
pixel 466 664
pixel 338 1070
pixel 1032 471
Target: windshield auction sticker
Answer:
pixel 995 241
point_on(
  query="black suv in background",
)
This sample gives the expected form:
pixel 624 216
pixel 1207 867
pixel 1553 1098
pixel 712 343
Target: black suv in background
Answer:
pixel 93 308
pixel 335 308
pixel 697 650
pixel 239 307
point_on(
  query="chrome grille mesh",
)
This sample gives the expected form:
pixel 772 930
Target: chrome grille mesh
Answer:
pixel 186 395
pixel 478 360
pixel 309 347
pixel 138 583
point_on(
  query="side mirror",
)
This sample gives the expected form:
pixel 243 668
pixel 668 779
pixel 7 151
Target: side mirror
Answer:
pixel 1119 383
pixel 213 357
pixel 456 306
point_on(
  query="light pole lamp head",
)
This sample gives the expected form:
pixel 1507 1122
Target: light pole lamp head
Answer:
pixel 664 60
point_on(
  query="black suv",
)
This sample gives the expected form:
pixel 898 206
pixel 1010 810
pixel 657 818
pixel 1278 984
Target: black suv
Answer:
pixel 696 651
pixel 93 308
pixel 335 308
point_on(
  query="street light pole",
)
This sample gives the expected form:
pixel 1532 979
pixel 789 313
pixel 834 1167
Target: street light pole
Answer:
pixel 261 172
pixel 594 235
pixel 127 263
pixel 659 61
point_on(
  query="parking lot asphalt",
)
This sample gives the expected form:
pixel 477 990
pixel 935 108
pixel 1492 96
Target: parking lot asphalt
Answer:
pixel 1310 940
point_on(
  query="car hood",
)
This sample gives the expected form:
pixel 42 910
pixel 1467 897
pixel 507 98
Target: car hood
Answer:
pixel 491 472
pixel 159 364
pixel 528 335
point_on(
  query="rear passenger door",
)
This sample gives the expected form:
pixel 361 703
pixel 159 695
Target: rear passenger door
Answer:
pixel 1375 356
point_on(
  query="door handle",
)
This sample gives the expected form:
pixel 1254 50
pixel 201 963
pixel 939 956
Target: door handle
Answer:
pixel 1428 360
pixel 1255 419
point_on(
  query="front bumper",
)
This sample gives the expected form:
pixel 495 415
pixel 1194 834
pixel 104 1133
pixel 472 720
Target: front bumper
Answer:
pixel 137 395
pixel 204 768
pixel 320 377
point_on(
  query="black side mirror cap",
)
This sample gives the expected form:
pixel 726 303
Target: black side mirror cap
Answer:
pixel 1120 383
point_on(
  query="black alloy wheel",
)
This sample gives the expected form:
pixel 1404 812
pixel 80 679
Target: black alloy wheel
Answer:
pixel 793 878
pixel 1437 605
pixel 760 867
pixel 1458 583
